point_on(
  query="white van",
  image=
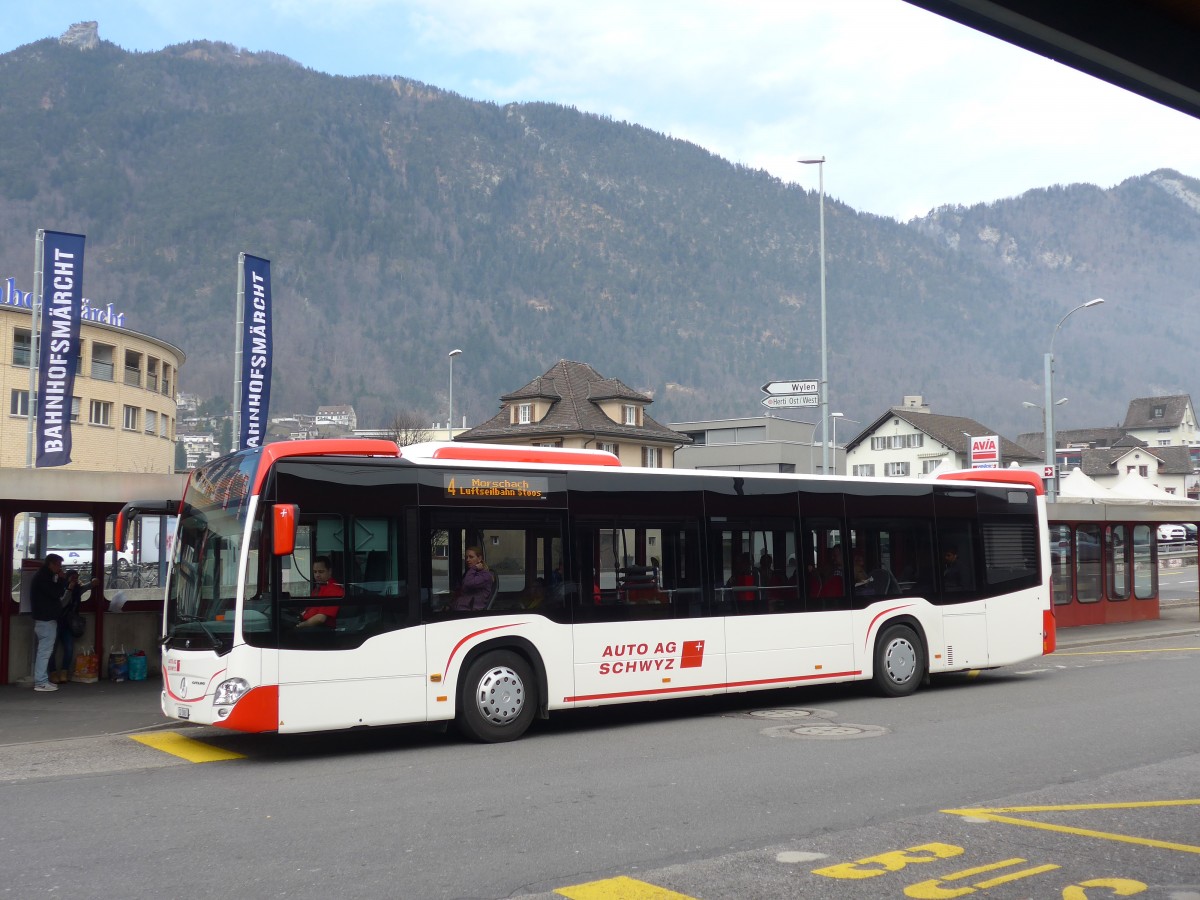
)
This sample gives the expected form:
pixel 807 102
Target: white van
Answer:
pixel 70 536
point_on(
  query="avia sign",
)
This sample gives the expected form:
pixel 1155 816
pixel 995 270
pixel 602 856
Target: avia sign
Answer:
pixel 985 452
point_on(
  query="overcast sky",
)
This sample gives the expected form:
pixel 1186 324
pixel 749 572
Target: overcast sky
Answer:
pixel 912 111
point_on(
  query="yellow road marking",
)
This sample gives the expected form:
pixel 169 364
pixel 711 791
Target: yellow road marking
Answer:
pixel 185 748
pixel 619 888
pixel 1107 652
pixel 996 815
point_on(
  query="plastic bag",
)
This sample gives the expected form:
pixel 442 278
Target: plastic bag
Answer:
pixel 137 665
pixel 118 664
pixel 87 667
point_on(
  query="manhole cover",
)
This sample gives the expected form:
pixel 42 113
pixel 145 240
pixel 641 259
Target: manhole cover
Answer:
pixel 826 731
pixel 791 712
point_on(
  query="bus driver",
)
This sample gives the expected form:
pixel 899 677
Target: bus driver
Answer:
pixel 324 586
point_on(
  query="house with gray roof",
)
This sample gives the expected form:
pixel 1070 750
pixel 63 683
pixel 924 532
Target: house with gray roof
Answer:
pixel 1162 421
pixel 574 406
pixel 911 440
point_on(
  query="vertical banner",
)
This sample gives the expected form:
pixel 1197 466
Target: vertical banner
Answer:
pixel 58 347
pixel 254 345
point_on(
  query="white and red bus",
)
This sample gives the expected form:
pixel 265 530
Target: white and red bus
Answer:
pixel 608 584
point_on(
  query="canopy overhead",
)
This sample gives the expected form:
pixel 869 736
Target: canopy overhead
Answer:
pixel 1078 487
pixel 1132 486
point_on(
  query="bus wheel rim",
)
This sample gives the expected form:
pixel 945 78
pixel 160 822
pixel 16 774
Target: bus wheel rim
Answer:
pixel 500 696
pixel 901 661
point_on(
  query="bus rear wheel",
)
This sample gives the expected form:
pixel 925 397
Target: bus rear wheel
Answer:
pixel 899 661
pixel 498 698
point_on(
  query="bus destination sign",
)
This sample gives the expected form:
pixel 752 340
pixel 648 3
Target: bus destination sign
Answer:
pixel 495 486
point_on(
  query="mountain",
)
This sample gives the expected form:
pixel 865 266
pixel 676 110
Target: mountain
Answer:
pixel 403 221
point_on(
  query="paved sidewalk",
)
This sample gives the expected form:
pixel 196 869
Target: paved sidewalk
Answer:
pixel 85 710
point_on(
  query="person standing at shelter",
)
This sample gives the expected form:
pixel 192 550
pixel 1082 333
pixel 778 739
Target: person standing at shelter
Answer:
pixel 72 600
pixel 46 598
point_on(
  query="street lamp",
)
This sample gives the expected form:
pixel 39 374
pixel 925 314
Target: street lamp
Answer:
pixel 1048 408
pixel 820 164
pixel 450 421
pixel 835 416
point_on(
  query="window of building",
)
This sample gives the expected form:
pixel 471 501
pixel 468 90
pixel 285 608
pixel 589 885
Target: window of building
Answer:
pixel 166 380
pixel 1144 471
pixel 1166 430
pixel 866 470
pixel 19 404
pixel 163 430
pixel 102 361
pixel 524 413
pixel 99 412
pixel 1166 443
pixel 151 373
pixel 22 347
pixel 898 442
pixel 609 447
pixel 895 469
pixel 76 408
pixel 1159 412
pixel 548 444
pixel 133 368
pixel 652 457
pixel 629 415
pixel 151 421
pixel 929 465
pixel 131 418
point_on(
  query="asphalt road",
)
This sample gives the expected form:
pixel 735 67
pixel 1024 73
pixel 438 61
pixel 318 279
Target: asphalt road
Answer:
pixel 816 793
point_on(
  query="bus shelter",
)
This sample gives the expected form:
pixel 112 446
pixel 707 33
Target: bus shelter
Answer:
pixel 73 514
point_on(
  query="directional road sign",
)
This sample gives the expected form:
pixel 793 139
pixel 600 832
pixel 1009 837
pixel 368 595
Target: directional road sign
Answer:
pixel 790 401
pixel 778 388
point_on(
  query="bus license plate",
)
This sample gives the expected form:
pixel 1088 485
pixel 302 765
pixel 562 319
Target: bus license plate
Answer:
pixel 183 712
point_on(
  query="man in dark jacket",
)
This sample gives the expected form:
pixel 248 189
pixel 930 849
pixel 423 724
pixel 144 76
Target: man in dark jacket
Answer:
pixel 46 598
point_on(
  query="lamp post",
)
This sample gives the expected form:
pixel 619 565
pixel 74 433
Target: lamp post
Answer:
pixel 1051 444
pixel 835 416
pixel 450 420
pixel 820 164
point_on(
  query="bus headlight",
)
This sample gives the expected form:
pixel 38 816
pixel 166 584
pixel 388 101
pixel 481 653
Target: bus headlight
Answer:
pixel 230 691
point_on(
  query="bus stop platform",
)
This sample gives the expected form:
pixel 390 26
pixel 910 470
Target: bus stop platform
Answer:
pixel 132 707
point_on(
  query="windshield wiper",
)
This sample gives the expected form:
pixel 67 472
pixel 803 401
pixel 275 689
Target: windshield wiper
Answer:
pixel 217 643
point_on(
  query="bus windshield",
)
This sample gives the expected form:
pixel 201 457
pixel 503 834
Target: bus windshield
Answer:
pixel 202 592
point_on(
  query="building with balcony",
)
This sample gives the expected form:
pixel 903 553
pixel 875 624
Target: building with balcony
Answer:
pixel 123 408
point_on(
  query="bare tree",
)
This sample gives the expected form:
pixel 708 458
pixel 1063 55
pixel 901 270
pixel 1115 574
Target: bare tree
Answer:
pixel 408 427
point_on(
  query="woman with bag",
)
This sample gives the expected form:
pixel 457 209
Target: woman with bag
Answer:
pixel 70 626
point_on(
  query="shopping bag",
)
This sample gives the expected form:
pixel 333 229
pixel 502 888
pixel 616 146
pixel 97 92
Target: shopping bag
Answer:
pixel 118 664
pixel 87 667
pixel 137 665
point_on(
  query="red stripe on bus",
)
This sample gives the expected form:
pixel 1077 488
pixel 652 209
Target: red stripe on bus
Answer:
pixel 176 697
pixel 789 679
pixel 256 712
pixel 472 635
pixel 870 628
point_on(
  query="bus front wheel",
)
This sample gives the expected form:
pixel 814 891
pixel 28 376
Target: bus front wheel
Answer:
pixel 899 661
pixel 498 698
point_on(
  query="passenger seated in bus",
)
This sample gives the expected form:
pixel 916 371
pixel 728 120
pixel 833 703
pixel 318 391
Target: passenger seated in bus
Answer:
pixel 535 594
pixel 831 582
pixel 324 586
pixel 475 591
pixel 953 578
pixel 742 577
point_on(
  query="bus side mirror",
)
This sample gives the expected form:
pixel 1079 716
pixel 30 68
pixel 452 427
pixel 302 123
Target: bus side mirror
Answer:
pixel 283 528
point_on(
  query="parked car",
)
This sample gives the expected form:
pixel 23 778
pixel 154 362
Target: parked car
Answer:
pixel 1087 548
pixel 1171 533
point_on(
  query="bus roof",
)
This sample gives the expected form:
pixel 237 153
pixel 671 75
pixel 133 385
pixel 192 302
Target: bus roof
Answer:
pixel 1022 477
pixel 508 453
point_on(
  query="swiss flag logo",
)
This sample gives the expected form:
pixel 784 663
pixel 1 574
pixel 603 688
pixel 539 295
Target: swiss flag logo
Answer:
pixel 693 655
